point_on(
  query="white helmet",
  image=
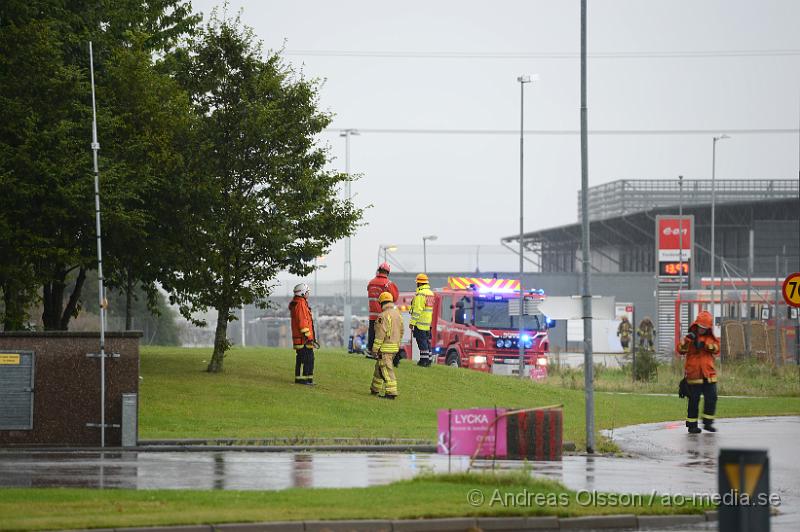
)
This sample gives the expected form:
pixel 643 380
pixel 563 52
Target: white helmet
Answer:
pixel 301 289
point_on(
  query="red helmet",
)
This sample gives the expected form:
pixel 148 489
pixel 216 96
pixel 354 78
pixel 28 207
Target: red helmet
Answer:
pixel 385 267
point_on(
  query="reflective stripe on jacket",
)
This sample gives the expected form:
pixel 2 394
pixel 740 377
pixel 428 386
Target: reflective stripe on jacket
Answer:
pixel 422 308
pixel 302 323
pixel 376 287
pixel 388 330
pixel 699 363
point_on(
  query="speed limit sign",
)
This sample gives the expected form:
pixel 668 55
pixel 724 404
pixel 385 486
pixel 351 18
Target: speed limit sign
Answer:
pixel 791 290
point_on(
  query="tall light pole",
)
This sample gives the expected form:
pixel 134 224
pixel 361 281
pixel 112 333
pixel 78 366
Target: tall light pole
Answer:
pixel 425 251
pixel 348 265
pixel 317 267
pixel 586 292
pixel 680 236
pixel 523 79
pixel 713 210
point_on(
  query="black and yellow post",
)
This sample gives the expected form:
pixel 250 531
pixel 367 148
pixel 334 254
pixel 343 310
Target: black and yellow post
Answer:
pixel 744 490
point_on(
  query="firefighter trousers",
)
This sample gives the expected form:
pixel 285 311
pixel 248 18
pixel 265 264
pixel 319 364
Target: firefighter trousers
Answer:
pixel 370 335
pixel 709 392
pixel 383 377
pixel 304 365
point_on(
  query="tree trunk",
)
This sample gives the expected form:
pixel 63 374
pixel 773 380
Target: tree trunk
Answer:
pixel 220 341
pixel 14 312
pixel 52 300
pixel 128 301
pixel 72 309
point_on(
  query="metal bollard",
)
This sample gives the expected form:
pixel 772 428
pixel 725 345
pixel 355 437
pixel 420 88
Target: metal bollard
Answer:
pixel 744 490
pixel 130 420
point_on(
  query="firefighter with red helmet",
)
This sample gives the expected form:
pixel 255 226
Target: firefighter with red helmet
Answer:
pixel 700 346
pixel 421 318
pixel 378 285
pixel 388 333
pixel 303 339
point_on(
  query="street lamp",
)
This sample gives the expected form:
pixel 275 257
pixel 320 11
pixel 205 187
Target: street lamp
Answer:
pixel 425 251
pixel 523 79
pixel 713 210
pixel 384 249
pixel 348 265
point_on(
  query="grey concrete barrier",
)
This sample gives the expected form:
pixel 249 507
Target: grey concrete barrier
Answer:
pixel 599 521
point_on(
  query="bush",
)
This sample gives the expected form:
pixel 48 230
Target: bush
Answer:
pixel 646 367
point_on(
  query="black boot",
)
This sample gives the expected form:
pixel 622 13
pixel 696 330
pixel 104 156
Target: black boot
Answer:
pixel 708 425
pixel 693 428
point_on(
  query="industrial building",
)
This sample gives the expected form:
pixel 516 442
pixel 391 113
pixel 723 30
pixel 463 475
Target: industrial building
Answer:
pixel 623 216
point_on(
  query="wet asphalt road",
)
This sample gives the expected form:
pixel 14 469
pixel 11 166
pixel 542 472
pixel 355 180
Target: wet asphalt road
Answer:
pixel 664 458
pixel 674 462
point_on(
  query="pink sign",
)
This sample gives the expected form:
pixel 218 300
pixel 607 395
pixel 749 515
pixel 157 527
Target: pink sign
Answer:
pixel 461 431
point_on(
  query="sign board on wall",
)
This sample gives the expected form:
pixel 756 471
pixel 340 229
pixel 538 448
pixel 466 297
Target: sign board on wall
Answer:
pixel 674 245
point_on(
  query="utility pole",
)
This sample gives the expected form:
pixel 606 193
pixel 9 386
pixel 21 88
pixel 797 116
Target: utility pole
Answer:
pixel 588 364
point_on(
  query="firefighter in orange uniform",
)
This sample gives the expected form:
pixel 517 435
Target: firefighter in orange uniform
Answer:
pixel 378 285
pixel 388 333
pixel 700 346
pixel 303 339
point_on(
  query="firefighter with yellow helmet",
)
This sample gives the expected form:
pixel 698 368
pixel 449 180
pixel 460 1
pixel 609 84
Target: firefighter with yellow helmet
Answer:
pixel 421 318
pixel 388 333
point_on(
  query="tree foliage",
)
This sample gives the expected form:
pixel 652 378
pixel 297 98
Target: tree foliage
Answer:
pixel 46 192
pixel 264 200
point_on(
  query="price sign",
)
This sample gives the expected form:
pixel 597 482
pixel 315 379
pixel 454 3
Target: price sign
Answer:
pixel 791 290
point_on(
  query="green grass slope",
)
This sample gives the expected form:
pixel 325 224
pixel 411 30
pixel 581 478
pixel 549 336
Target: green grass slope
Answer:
pixel 256 397
pixel 425 496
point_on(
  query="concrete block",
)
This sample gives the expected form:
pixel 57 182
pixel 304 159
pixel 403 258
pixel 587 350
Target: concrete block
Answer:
pixel 434 525
pixel 542 523
pixel 599 521
pixel 711 515
pixel 502 523
pixel 275 526
pixel 182 528
pixel 349 526
pixel 661 521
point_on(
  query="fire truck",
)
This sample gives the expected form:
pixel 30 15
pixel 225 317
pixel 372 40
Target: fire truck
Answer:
pixel 476 325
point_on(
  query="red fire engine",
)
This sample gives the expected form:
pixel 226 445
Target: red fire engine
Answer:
pixel 476 325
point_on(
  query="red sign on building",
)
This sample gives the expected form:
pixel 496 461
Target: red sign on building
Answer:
pixel 674 239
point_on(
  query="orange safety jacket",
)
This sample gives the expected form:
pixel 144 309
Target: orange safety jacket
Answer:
pixel 699 363
pixel 302 323
pixel 375 288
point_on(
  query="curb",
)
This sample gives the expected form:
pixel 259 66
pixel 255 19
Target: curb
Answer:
pixel 462 524
pixel 237 448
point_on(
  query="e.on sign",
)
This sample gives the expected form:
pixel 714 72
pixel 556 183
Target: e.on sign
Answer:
pixel 673 234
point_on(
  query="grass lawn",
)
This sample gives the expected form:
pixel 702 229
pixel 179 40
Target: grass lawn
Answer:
pixel 736 377
pixel 255 397
pixel 425 496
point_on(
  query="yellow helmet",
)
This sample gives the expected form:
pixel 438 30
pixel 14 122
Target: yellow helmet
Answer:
pixel 385 297
pixel 422 279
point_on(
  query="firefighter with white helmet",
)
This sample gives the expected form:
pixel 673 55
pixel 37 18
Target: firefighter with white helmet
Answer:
pixel 388 333
pixel 303 339
pixel 421 318
pixel 378 285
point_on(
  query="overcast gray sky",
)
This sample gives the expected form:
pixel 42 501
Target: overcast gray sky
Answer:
pixel 464 188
